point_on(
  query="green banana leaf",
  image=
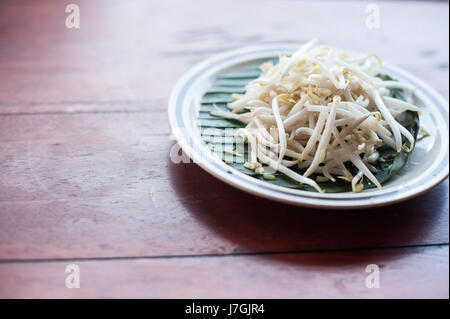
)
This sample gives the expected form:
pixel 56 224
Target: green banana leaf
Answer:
pixel 216 134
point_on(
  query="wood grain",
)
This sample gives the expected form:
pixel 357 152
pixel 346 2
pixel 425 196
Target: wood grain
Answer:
pixel 331 275
pixel 135 53
pixel 86 174
pixel 105 186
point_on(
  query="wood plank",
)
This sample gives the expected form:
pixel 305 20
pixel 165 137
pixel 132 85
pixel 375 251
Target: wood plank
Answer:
pixel 108 60
pixel 404 273
pixel 103 185
pixel 134 54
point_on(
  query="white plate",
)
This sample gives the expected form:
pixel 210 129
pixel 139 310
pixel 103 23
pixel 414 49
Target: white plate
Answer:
pixel 427 166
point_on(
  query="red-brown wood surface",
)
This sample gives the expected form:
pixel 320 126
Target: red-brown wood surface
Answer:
pixel 301 275
pixel 86 175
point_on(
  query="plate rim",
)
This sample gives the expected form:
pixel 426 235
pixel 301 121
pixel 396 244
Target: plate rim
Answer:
pixel 331 201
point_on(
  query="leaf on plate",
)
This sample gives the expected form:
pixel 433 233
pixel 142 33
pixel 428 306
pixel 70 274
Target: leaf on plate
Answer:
pixel 215 134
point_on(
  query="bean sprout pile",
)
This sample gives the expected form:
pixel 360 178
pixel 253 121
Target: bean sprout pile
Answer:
pixel 319 109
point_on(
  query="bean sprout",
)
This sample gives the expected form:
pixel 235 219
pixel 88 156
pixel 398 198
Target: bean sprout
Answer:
pixel 317 110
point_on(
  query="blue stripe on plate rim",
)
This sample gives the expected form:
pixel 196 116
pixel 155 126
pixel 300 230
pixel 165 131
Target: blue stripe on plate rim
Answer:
pixel 177 112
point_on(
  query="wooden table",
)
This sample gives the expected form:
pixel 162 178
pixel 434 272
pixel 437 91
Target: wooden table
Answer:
pixel 86 179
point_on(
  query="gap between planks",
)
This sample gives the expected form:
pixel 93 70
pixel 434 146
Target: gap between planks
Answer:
pixel 287 252
pixel 81 112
